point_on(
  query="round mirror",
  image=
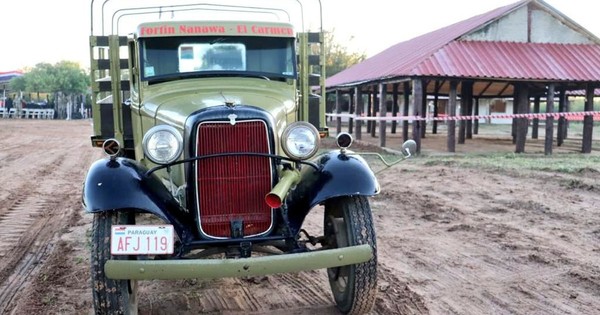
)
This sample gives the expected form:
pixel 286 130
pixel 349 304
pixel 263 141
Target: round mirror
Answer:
pixel 409 147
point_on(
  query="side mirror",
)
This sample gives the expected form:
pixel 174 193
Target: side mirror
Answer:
pixel 409 147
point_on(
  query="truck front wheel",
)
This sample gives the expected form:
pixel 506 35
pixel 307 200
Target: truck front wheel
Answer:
pixel 348 222
pixel 110 296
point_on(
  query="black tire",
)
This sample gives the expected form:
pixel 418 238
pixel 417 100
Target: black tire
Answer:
pixel 110 296
pixel 354 287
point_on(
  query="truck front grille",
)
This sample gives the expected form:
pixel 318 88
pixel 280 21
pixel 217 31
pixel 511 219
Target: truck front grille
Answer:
pixel 231 189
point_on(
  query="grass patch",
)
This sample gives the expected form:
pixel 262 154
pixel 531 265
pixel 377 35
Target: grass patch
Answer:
pixel 567 163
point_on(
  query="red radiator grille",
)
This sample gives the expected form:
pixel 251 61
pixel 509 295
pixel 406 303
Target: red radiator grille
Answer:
pixel 233 187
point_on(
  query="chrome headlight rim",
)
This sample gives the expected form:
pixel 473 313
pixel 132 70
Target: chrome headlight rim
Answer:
pixel 155 131
pixel 294 127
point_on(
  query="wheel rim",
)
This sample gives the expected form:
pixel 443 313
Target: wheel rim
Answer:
pixel 336 232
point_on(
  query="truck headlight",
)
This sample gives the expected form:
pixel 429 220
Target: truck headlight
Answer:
pixel 300 140
pixel 162 144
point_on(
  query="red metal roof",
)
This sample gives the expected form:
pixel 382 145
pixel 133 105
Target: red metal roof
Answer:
pixel 529 61
pixel 442 53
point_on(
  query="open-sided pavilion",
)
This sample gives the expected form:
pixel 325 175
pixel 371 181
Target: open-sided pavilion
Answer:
pixel 527 52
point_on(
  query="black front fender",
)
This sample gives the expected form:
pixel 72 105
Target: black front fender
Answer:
pixel 338 175
pixel 122 184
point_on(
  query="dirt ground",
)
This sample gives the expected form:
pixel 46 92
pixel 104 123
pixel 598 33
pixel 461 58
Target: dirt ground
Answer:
pixel 450 240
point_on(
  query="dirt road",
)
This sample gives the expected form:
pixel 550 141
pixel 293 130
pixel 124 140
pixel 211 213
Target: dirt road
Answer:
pixel 451 240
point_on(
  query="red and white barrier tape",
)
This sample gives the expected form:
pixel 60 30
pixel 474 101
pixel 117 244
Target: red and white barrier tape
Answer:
pixel 445 118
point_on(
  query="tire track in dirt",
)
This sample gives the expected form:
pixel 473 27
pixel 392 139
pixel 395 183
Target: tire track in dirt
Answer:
pixel 43 164
pixel 303 289
pixel 395 296
pixel 253 295
pixel 25 243
pixel 297 293
pixel 14 223
pixel 17 195
pixel 24 208
pixel 27 226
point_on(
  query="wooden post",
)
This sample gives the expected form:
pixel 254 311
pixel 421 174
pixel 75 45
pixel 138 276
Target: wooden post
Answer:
pixel 436 98
pixel 405 110
pixel 549 120
pixel 451 112
pixel 423 123
pixel 463 112
pixel 469 110
pixel 417 103
pixel 516 91
pixel 338 110
pixel 351 110
pixel 567 122
pixel 376 109
pixel 369 110
pixel 522 124
pixel 588 121
pixel 395 105
pixel 382 113
pixel 476 121
pixel 360 104
pixel 562 103
pixel 536 121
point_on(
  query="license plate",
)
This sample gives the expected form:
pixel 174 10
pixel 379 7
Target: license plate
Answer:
pixel 141 239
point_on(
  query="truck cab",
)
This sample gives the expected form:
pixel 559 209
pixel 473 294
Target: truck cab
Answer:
pixel 211 130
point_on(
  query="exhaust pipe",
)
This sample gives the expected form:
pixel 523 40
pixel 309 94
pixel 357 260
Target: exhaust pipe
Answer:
pixel 275 198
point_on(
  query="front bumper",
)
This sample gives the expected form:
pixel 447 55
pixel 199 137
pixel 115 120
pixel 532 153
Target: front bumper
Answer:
pixel 242 267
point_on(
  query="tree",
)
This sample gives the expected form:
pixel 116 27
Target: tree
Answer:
pixel 69 81
pixel 64 79
pixel 338 57
pixel 39 79
pixel 18 84
pixel 69 78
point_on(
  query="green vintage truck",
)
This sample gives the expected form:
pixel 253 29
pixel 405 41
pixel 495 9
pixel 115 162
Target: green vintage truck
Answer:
pixel 211 130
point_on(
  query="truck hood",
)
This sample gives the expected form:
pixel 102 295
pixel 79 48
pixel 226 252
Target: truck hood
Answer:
pixel 172 103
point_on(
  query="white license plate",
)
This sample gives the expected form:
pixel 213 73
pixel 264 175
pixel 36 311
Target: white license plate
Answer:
pixel 141 239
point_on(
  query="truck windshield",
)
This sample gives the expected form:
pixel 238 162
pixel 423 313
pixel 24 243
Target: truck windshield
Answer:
pixel 163 58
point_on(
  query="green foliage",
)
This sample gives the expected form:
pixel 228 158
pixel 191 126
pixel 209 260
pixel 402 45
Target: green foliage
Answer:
pixel 39 78
pixel 70 79
pixel 576 104
pixel 18 84
pixel 338 57
pixel 65 76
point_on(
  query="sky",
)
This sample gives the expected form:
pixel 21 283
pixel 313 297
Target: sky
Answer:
pixel 50 31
